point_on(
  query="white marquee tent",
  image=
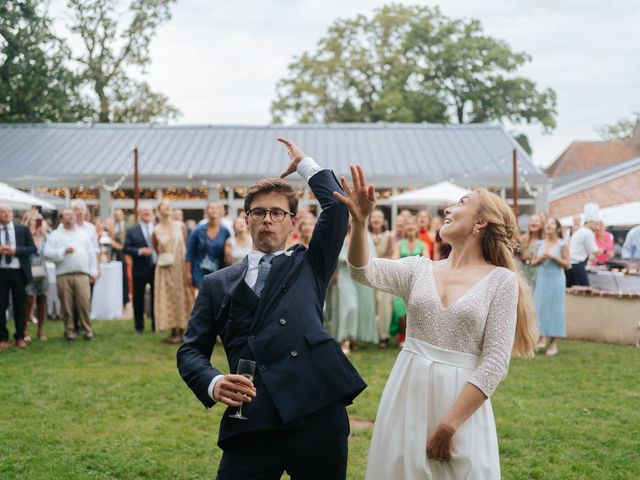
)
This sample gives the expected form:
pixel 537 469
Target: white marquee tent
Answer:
pixel 625 214
pixel 20 200
pixel 438 194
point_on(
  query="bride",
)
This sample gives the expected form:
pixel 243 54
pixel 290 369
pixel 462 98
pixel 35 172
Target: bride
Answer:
pixel 465 316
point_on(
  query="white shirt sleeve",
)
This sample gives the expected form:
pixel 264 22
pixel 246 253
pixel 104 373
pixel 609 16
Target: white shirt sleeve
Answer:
pixel 308 167
pixel 53 251
pixel 212 385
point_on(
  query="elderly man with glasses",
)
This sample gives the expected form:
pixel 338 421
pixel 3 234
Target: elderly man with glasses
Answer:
pixel 268 309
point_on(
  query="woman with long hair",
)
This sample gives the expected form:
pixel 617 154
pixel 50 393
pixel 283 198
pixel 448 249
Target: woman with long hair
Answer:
pixel 535 233
pixel 384 245
pixel 466 316
pixel 173 296
pixel 38 289
pixel 410 245
pixel 551 259
pixel 238 246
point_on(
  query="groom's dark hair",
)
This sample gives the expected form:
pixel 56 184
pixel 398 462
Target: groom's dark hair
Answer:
pixel 268 185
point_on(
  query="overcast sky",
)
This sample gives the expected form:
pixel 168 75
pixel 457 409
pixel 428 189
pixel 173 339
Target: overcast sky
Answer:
pixel 219 61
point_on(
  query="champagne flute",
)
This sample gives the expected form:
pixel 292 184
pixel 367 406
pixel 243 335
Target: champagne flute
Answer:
pixel 247 369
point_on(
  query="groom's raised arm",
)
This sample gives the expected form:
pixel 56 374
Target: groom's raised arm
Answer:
pixel 331 227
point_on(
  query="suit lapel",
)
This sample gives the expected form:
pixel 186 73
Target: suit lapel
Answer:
pixel 238 289
pixel 277 283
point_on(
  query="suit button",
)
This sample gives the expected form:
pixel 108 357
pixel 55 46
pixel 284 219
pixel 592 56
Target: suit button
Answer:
pixel 294 353
pixel 250 337
pixel 283 321
pixel 262 368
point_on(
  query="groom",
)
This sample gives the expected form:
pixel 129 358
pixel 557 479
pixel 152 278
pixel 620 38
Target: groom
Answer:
pixel 268 309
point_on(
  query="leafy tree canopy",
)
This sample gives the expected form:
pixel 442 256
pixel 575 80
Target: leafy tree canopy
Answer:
pixel 35 83
pixel 411 64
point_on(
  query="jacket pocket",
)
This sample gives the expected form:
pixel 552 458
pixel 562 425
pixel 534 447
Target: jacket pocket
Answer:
pixel 317 336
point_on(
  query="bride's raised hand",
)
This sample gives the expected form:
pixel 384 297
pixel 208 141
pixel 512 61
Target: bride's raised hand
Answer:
pixel 359 199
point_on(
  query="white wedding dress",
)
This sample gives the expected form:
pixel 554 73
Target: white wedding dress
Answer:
pixel 446 347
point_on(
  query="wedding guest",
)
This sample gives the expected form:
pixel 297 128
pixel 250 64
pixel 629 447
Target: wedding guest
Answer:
pixel 367 330
pixel 529 247
pixel 38 289
pixel 73 252
pixel 550 259
pixel 468 314
pixel 631 246
pixel 305 227
pixel 581 246
pixel 442 248
pixel 398 231
pixel 117 253
pixel 605 242
pixel 409 246
pixel 173 294
pixel 82 217
pixel 205 252
pixel 424 231
pixel 384 248
pixel 16 247
pixel 238 246
pixel 138 245
pixel 342 300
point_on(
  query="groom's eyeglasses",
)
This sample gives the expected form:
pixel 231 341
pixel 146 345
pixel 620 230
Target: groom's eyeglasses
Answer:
pixel 277 214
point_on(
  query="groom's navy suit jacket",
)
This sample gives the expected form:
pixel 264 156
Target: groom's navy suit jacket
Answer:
pixel 300 367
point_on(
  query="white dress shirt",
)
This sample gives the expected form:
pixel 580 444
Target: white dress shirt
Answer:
pixel 582 244
pixel 82 260
pixel 15 262
pixel 307 168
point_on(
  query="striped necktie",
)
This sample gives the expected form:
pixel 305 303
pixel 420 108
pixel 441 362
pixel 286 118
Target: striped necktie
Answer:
pixel 263 272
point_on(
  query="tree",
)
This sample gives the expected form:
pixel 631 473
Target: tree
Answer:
pixel 35 83
pixel 623 129
pixel 113 41
pixel 411 64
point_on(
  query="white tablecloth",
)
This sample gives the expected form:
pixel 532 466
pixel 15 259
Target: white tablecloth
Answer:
pixel 53 302
pixel 107 292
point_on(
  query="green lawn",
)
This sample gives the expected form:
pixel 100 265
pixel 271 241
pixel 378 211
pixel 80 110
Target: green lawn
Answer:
pixel 115 408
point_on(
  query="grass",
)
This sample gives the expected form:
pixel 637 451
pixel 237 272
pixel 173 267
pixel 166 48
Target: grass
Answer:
pixel 115 408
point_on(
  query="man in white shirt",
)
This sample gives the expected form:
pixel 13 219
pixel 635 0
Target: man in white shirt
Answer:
pixel 76 267
pixel 16 246
pixel 581 246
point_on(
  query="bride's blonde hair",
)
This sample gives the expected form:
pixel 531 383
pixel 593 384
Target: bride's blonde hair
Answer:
pixel 499 248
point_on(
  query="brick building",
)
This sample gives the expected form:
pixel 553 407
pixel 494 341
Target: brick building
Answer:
pixel 604 172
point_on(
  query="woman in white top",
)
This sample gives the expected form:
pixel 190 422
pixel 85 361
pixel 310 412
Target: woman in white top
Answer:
pixel 238 246
pixel 465 316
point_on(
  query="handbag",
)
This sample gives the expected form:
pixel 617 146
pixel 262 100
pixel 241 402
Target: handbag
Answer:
pixel 166 259
pixel 38 271
pixel 208 266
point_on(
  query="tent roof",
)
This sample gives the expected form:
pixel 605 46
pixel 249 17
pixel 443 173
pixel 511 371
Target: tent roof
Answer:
pixel 20 200
pixel 443 192
pixel 403 154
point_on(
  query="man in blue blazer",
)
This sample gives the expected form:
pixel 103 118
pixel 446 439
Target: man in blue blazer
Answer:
pixel 16 247
pixel 268 308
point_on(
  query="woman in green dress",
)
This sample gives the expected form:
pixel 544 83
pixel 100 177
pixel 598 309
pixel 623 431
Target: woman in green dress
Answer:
pixel 409 246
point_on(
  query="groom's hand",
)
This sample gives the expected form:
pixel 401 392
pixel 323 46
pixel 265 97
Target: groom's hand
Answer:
pixel 295 154
pixel 234 390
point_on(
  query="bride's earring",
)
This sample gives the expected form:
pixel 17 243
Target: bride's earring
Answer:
pixel 475 232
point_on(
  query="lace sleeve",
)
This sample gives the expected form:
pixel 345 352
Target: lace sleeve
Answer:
pixel 498 338
pixel 392 276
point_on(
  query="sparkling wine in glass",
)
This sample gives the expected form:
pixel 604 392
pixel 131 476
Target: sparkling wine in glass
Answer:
pixel 247 369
